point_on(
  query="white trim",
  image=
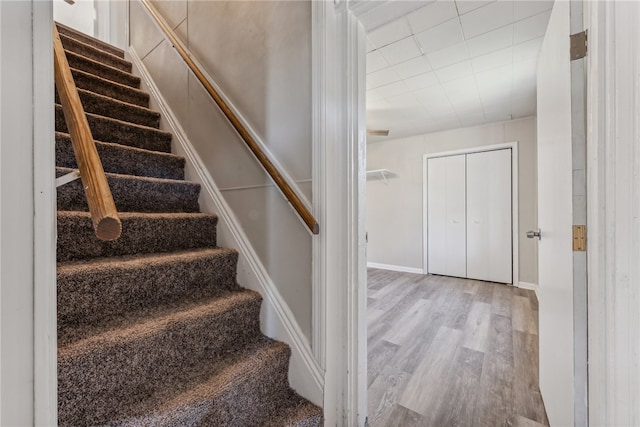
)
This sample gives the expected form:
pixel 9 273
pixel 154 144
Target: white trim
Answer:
pixel 304 373
pixel 392 267
pixel 44 221
pixel 257 138
pixel 613 209
pixel 319 94
pixel 515 214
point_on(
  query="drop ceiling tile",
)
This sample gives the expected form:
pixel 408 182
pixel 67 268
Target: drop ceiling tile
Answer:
pixel 389 33
pixel 467 6
pixel 412 67
pixel 472 119
pixel 495 83
pixel 432 97
pixel 493 117
pixel 525 9
pixel 527 50
pixel 448 56
pixel 381 78
pixel 487 18
pixel 440 36
pixel 451 122
pixel 491 41
pixel 468 104
pixel 431 15
pixel 388 12
pixel 492 60
pixel 456 71
pixel 370 46
pixel 389 90
pixel 464 88
pixel 377 105
pixel 400 51
pixel 524 72
pixel 531 28
pixel 375 62
pixel 405 100
pixel 422 81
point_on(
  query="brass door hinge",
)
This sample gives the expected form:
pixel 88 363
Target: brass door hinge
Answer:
pixel 578 45
pixel 579 238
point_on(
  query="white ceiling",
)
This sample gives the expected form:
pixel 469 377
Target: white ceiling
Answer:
pixel 437 65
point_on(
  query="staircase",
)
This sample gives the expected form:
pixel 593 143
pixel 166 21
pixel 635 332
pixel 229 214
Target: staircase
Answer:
pixel 153 329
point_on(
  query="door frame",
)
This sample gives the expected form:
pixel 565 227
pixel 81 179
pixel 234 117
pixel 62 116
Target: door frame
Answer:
pixel 515 238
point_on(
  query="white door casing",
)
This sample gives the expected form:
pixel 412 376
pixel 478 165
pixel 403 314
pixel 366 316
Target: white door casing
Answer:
pixel 555 263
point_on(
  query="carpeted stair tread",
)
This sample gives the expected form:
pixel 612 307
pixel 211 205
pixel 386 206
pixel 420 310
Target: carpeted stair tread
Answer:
pixel 101 292
pixel 81 48
pixel 102 86
pixel 133 194
pixel 89 65
pixel 120 132
pixel 141 233
pixel 243 390
pixel 110 107
pixel 99 375
pixel 73 33
pixel 298 412
pixel 122 159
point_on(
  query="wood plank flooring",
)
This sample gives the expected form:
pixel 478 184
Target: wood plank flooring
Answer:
pixel 451 352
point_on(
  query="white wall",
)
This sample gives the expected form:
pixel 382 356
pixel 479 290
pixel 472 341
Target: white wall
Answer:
pixel 394 210
pixel 264 67
pixel 27 216
pixel 81 15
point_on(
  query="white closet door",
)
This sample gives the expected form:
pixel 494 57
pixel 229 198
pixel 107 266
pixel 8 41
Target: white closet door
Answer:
pixel 489 254
pixel 446 216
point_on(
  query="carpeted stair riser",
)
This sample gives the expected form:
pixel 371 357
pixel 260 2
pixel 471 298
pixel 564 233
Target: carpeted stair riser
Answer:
pixel 108 88
pixel 106 289
pixel 141 233
pixel 246 393
pixel 109 107
pixel 70 32
pixel 133 194
pixel 101 70
pixel 302 414
pixel 125 160
pixel 112 130
pixel 119 368
pixel 91 52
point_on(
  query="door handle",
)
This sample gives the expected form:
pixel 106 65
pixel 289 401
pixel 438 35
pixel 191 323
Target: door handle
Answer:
pixel 531 234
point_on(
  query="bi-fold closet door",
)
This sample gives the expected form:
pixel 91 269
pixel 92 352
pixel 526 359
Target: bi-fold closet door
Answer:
pixel 469 216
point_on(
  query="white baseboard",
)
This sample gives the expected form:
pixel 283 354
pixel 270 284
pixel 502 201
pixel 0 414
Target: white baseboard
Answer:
pixel 277 320
pixel 392 267
pixel 531 286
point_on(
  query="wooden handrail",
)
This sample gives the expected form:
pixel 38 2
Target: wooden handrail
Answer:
pixel 269 167
pixel 104 215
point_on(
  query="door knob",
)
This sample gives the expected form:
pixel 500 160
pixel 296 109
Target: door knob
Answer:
pixel 531 234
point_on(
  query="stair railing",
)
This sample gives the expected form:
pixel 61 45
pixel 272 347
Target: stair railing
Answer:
pixel 104 215
pixel 263 159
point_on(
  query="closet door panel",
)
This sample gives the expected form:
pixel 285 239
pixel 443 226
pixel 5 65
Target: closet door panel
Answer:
pixel 500 223
pixel 477 216
pixel 456 214
pixel 446 244
pixel 489 253
pixel 437 215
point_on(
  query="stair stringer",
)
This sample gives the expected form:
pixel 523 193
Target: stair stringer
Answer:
pixel 306 376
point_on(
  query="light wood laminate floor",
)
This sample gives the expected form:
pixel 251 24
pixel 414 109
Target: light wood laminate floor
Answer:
pixel 447 352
